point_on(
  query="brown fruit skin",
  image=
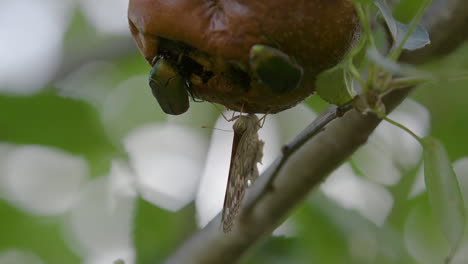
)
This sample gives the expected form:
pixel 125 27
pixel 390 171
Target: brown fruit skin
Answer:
pixel 317 33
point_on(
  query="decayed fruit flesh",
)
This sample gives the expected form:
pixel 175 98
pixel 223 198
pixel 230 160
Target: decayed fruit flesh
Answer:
pixel 210 42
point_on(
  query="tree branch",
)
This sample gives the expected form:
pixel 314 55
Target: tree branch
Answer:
pixel 312 163
pixel 305 169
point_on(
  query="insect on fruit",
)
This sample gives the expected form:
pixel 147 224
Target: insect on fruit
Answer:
pixel 247 151
pixel 218 36
pixel 169 87
pixel 275 69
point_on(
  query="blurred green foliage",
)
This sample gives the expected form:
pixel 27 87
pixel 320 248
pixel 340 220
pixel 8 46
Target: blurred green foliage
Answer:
pixel 446 102
pixel 325 229
pixel 75 127
pixel 41 235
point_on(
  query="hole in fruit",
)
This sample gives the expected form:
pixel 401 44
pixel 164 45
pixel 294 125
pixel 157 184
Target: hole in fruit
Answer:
pixel 239 77
pixel 178 54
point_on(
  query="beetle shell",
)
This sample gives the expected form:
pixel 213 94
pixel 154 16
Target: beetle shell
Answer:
pixel 169 88
pixel 275 69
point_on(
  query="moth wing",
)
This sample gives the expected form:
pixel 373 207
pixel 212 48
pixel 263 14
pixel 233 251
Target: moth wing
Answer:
pixel 254 156
pixel 246 153
pixel 236 184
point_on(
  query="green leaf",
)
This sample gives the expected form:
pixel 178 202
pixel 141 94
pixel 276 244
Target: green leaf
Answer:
pixel 443 190
pixel 422 237
pixel 394 67
pixel 335 85
pixel 385 63
pixel 388 17
pixel 418 39
pixel 406 10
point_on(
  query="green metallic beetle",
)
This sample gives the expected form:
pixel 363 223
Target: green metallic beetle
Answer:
pixel 275 69
pixel 169 87
pixel 271 67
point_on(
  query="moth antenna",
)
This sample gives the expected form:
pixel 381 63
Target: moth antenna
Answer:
pixel 215 128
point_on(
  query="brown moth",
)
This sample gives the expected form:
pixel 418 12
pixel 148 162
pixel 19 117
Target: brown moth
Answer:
pixel 247 151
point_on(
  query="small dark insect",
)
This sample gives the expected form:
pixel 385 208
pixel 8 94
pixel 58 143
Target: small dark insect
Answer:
pixel 275 69
pixel 247 151
pixel 169 87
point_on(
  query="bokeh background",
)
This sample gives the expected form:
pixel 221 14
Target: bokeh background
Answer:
pixel 91 170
